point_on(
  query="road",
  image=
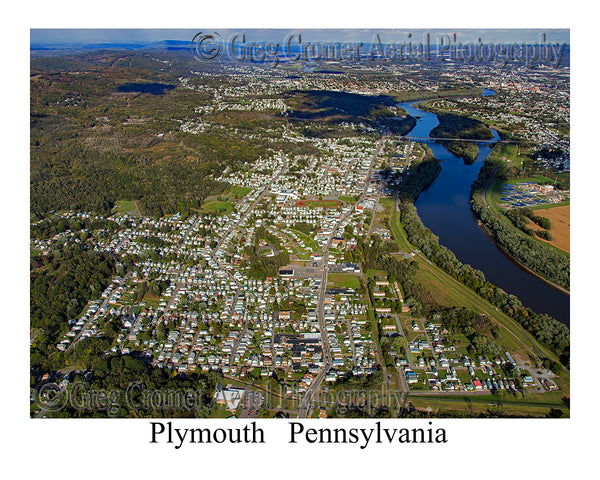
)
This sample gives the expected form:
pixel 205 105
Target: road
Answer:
pixel 408 357
pixel 316 383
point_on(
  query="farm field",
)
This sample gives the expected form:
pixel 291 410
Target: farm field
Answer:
pixel 561 225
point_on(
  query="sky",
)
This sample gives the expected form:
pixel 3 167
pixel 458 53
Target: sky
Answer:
pixel 145 36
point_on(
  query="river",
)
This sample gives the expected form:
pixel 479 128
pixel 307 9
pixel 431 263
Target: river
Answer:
pixel 444 208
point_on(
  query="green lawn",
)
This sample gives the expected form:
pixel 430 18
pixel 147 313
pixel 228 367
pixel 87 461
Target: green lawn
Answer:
pixel 508 152
pixel 343 280
pixel 151 300
pixel 239 192
pixel 123 207
pixel 218 207
pixel 347 199
pixel 375 273
pixel 472 404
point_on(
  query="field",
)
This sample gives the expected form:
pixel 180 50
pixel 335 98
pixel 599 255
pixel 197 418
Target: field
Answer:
pixel 347 199
pixel 319 203
pixel 239 192
pixel 474 405
pixel 341 280
pixel 123 207
pixel 561 223
pixel 510 153
pixel 218 207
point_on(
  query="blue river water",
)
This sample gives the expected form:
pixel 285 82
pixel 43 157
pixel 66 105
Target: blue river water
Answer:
pixel 444 208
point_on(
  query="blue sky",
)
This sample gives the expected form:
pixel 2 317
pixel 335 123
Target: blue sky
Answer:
pixel 143 36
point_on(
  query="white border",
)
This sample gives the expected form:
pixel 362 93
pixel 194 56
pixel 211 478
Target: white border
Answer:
pixel 115 448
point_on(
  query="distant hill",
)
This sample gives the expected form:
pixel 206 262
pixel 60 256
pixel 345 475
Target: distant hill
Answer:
pixel 48 49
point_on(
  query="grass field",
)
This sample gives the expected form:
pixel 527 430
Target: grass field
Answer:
pixel 375 273
pixel 218 207
pixel 151 300
pixel 239 192
pixel 346 199
pixel 471 405
pixel 123 207
pixel 387 204
pixel 343 280
pixel 508 152
pixel 318 203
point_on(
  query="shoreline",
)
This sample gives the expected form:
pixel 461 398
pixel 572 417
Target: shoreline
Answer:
pixel 516 262
pixel 485 228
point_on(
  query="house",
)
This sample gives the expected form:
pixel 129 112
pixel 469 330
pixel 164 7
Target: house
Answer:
pixel 377 292
pixel 411 377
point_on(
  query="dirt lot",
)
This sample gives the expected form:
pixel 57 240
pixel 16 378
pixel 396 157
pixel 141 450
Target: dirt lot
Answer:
pixel 561 225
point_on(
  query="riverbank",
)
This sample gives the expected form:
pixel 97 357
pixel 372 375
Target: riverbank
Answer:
pixel 515 260
pixel 444 207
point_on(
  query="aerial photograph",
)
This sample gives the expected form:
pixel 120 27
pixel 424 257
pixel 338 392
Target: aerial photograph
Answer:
pixel 299 224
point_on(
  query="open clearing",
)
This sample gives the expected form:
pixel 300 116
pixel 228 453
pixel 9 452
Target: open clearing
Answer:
pixel 218 207
pixel 123 207
pixel 561 225
pixel 343 280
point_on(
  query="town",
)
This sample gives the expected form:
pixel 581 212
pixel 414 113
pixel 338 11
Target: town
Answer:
pixel 261 283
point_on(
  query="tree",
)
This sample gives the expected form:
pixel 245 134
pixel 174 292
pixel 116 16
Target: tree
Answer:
pixel 556 413
pixel 399 344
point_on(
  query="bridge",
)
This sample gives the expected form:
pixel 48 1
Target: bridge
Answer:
pixel 449 139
